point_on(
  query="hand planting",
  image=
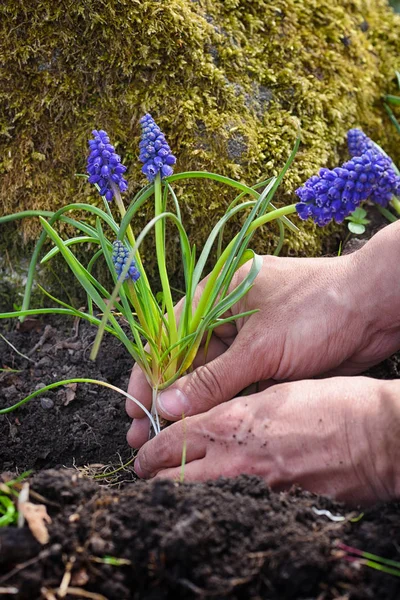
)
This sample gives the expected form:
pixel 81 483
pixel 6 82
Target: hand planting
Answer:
pixel 222 312
pixel 163 346
pixel 316 317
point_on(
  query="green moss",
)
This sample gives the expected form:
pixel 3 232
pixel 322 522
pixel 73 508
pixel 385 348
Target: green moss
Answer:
pixel 227 81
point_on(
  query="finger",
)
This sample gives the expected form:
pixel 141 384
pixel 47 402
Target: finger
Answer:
pixel 197 470
pixel 212 383
pixel 166 449
pixel 138 433
pixel 138 388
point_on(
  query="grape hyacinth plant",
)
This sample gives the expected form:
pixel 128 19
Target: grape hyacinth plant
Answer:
pixel 335 194
pixel 163 345
pixel 120 257
pixel 154 150
pixel 104 166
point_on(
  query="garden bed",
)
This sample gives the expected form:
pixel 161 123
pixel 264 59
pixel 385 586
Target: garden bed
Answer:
pixel 226 539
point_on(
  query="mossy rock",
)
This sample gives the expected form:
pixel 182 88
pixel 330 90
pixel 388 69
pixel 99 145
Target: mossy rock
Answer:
pixel 227 81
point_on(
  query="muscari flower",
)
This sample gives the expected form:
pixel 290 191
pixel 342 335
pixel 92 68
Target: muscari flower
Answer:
pixel 119 257
pixel 154 150
pixel 335 194
pixel 358 142
pixel 104 166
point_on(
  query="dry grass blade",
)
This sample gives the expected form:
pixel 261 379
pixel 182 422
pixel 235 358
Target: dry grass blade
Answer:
pixel 76 591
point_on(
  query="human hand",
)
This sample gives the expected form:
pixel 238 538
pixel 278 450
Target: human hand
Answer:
pixel 336 436
pixel 316 316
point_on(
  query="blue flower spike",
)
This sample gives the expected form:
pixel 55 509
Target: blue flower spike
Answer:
pixel 358 142
pixel 154 150
pixel 119 257
pixel 335 194
pixel 104 166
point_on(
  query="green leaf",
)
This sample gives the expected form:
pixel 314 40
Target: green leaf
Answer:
pixel 232 205
pixel 392 117
pixel 7 508
pixel 237 184
pixel 359 213
pixel 70 242
pixel 387 214
pixel 107 314
pixel 89 283
pixel 54 217
pixel 395 100
pixel 356 228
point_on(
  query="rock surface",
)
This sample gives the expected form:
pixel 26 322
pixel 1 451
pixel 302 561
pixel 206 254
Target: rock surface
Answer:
pixel 226 80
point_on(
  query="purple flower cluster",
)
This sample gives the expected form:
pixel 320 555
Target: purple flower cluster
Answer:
pixel 154 150
pixel 335 194
pixel 119 257
pixel 104 166
pixel 358 142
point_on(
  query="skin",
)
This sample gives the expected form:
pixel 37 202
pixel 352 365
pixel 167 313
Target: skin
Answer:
pixel 321 318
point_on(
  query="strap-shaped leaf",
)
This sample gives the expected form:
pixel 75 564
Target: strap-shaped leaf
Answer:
pixel 231 182
pixel 83 276
pixel 132 254
pixel 70 242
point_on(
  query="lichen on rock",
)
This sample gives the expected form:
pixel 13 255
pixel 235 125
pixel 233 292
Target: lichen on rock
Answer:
pixel 226 80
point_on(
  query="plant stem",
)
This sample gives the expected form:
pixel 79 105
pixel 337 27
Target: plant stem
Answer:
pixel 271 216
pixel 154 413
pixel 160 251
pixel 129 232
pixel 395 202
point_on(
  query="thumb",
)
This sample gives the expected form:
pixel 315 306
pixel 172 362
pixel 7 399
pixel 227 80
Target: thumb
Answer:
pixel 217 381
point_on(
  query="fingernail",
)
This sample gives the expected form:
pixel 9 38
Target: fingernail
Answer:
pixel 173 403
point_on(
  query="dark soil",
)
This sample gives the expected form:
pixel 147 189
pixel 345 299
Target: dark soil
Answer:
pixel 65 426
pixel 226 539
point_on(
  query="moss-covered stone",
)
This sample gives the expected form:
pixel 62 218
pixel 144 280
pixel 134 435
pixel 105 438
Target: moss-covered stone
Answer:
pixel 225 79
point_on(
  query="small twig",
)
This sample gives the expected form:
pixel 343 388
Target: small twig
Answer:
pixel 15 350
pixel 71 343
pixel 41 498
pixel 9 590
pixel 66 580
pixel 44 554
pixel 47 594
pixel 48 331
pixel 10 265
pixel 76 591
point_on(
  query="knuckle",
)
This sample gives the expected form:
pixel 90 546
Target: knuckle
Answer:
pixel 206 385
